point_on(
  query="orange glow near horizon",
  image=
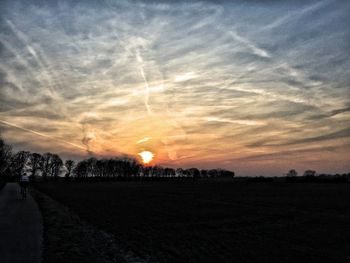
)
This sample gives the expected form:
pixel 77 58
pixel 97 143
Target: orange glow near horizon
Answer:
pixel 146 156
pixel 218 97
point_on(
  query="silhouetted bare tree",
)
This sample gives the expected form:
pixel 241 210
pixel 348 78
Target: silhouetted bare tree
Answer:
pixel 5 157
pixel 91 166
pixel 55 166
pixel 69 165
pixel 45 164
pixel 213 173
pixel 80 169
pixel 18 162
pixel 204 173
pixel 179 172
pixel 292 173
pixel 36 162
pixel 169 172
pixel 193 172
pixel 310 173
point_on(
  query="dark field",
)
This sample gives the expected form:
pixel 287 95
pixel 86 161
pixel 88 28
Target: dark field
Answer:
pixel 217 221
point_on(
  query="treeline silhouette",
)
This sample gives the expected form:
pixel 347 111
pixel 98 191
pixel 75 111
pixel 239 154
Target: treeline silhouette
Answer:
pixel 311 176
pixel 51 167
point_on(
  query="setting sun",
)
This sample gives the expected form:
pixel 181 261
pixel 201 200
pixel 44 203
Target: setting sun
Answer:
pixel 167 124
pixel 146 156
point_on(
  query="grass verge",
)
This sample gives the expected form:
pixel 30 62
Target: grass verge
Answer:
pixel 67 238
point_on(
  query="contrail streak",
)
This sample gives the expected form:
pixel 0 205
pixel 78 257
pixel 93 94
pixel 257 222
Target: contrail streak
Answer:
pixel 142 72
pixel 255 49
pixel 141 69
pixel 41 134
pixel 25 41
pixel 146 139
pixel 19 58
pixel 295 15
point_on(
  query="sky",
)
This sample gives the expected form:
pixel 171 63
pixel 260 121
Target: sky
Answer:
pixel 258 87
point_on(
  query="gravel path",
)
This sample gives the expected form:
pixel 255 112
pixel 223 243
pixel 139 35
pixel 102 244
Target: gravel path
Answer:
pixel 20 227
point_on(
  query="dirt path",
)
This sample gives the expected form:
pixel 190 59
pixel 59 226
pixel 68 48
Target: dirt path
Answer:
pixel 20 227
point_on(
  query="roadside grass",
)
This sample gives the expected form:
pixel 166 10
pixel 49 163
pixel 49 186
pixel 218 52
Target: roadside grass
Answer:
pixel 67 238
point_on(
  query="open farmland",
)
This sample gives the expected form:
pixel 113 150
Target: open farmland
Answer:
pixel 217 221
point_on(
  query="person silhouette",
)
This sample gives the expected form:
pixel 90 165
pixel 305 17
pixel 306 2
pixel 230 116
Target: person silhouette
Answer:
pixel 24 183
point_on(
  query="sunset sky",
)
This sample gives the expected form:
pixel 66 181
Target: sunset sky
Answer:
pixel 259 87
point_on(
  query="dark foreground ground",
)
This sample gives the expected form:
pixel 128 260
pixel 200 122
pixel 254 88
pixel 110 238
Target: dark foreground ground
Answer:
pixel 21 227
pixel 217 221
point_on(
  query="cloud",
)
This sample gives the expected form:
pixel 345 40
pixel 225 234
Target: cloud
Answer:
pixel 249 44
pixel 212 80
pixel 39 134
pixel 344 133
pixel 146 139
pixel 286 154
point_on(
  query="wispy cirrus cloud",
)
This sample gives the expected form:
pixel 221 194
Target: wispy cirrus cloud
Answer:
pixel 210 83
